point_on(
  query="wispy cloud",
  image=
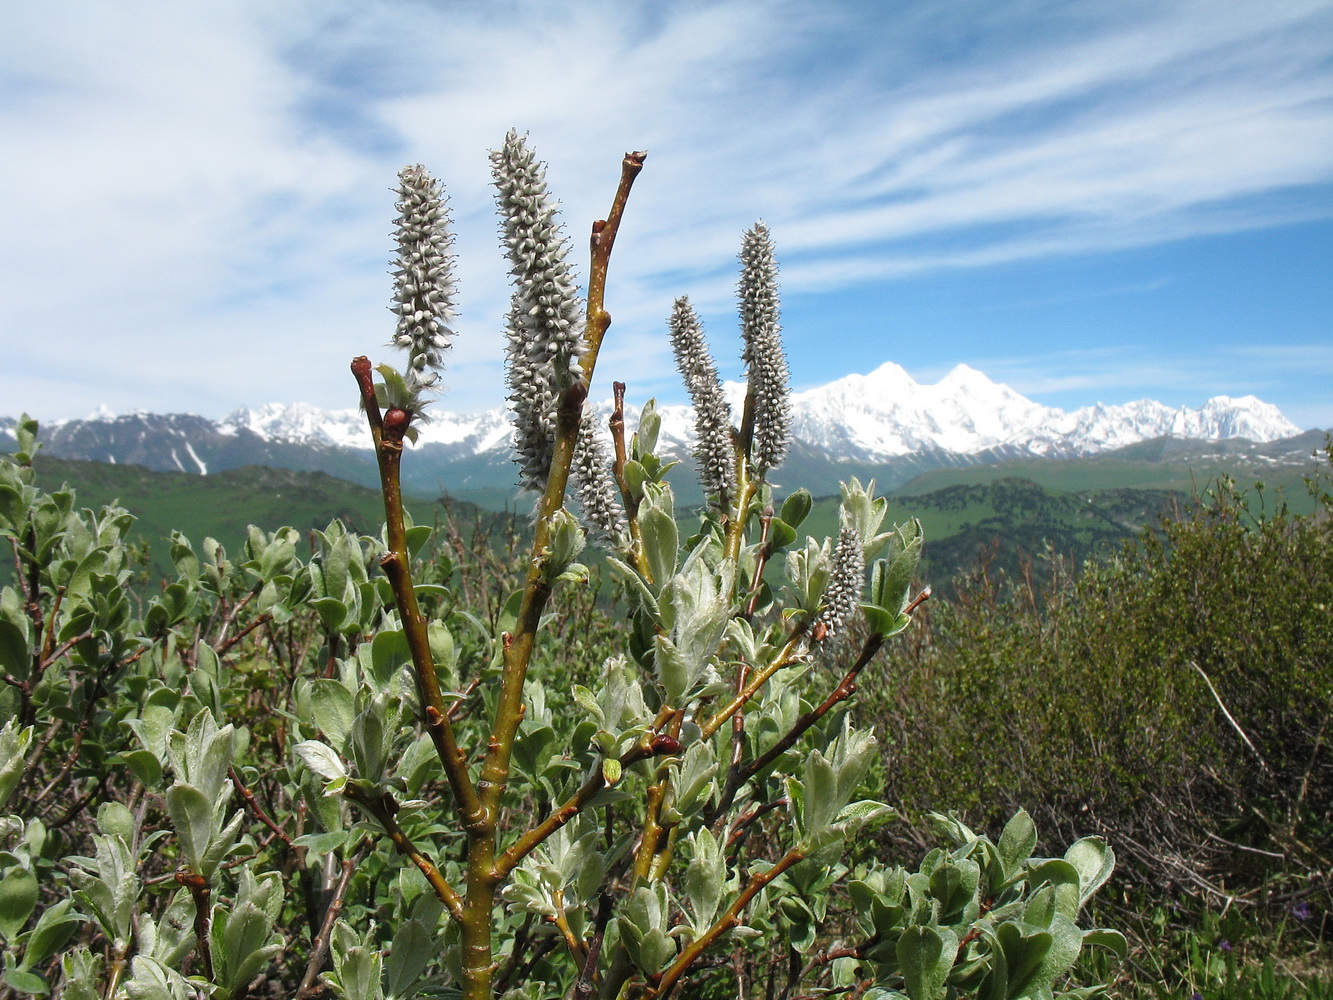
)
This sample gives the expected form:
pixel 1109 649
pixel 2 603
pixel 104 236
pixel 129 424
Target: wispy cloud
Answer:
pixel 1077 377
pixel 197 205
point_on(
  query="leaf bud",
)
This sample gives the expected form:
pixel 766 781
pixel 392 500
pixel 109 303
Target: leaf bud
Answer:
pixel 664 745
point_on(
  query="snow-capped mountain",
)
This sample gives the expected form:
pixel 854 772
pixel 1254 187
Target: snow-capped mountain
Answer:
pixel 888 414
pixel 301 423
pixel 883 417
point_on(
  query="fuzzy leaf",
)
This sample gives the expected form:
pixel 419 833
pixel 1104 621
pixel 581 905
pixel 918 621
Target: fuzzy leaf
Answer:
pixel 321 759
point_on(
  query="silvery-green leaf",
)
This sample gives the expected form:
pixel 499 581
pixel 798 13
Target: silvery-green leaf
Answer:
pixel 705 877
pixel 658 532
pixel 1111 940
pixel 1016 843
pixel 1094 860
pixel 192 819
pixel 334 709
pixel 321 759
pixel 672 669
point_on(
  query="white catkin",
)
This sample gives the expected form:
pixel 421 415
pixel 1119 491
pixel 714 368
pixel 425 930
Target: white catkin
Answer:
pixel 842 596
pixel 766 364
pixel 599 499
pixel 713 450
pixel 423 287
pixel 544 325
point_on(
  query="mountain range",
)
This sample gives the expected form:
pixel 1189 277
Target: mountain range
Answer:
pixel 884 423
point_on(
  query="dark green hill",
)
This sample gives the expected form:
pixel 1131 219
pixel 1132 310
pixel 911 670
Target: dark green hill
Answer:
pixel 1007 521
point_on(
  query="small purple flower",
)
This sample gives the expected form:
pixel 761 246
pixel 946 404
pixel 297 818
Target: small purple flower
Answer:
pixel 1224 945
pixel 1301 911
pixel 1196 995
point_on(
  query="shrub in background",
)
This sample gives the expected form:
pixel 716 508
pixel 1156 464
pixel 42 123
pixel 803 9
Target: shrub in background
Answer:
pixel 1175 699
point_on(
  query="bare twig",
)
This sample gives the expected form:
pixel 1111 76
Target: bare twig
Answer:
pixel 1230 718
pixel 309 986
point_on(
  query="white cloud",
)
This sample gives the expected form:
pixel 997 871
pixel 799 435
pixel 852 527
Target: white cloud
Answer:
pixel 1127 371
pixel 196 212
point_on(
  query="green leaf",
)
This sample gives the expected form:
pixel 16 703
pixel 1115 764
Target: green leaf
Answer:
pixel 1025 955
pixel 26 982
pixel 672 669
pixel 115 818
pixel 657 527
pixel 650 425
pixel 192 818
pixel 705 878
pixel 1113 941
pixel 412 950
pixel 15 650
pixel 1041 907
pixel 368 737
pixel 18 898
pixel 1064 877
pixel 52 931
pixel 417 536
pixel 334 709
pixel 332 612
pixel 1016 843
pixel 321 759
pixel 780 534
pixel 886 623
pixel 444 652
pixel 1094 860
pixel 145 765
pixel 635 477
pixel 926 955
pixel 322 843
pixel 891 577
pixel 389 653
pixel 796 507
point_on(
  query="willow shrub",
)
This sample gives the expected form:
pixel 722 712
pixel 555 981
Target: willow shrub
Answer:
pixel 283 774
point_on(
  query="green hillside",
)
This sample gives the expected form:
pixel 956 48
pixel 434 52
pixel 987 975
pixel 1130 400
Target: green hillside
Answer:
pixel 221 505
pixel 1149 466
pixel 1004 512
pixel 1010 519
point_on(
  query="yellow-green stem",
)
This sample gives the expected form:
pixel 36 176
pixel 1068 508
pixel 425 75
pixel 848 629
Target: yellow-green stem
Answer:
pixel 397 567
pixel 484 878
pixel 784 658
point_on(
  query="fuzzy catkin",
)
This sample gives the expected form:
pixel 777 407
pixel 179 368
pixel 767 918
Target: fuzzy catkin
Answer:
pixel 766 364
pixel 842 596
pixel 544 326
pixel 599 499
pixel 423 286
pixel 713 449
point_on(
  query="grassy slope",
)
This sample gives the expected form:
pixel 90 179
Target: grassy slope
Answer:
pixel 221 505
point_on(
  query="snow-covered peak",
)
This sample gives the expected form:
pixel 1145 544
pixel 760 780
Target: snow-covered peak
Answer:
pixel 301 422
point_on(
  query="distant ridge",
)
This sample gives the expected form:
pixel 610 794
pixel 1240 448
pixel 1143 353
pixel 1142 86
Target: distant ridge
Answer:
pixel 883 418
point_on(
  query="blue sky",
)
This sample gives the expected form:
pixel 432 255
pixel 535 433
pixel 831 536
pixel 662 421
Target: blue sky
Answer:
pixel 1094 201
